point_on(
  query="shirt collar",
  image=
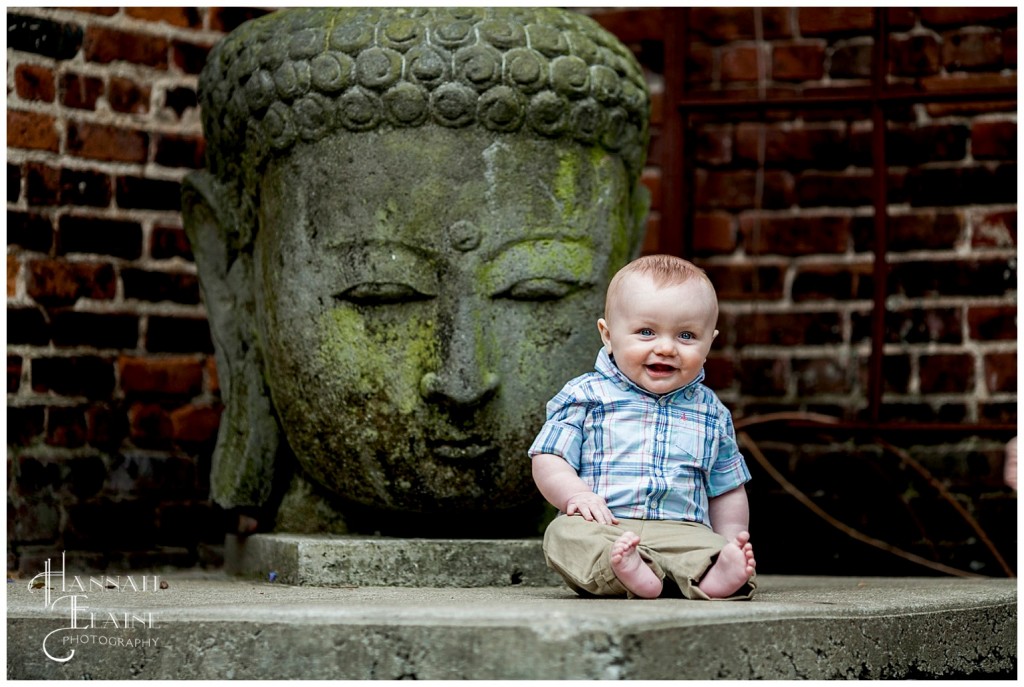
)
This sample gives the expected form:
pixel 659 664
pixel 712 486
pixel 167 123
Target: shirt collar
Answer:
pixel 605 364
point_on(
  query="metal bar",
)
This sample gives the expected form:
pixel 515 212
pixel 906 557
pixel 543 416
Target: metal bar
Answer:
pixel 879 192
pixel 676 191
pixel 852 100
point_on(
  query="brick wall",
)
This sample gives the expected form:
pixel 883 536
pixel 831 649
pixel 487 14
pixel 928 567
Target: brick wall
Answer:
pixel 782 220
pixel 112 397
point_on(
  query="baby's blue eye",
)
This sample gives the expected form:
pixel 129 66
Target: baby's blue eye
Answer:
pixel 646 332
pixel 686 336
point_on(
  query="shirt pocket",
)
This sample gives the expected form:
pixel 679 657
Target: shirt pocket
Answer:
pixel 689 446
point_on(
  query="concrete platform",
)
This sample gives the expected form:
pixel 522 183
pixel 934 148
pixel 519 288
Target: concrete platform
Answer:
pixel 217 627
pixel 339 561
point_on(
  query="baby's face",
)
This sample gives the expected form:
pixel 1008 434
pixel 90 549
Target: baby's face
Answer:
pixel 660 336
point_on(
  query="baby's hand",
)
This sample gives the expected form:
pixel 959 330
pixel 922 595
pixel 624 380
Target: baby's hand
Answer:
pixel 591 507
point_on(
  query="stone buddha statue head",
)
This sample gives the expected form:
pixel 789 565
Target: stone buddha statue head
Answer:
pixel 403 237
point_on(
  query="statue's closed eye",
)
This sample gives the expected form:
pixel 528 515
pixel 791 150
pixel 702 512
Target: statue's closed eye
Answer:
pixel 538 289
pixel 381 293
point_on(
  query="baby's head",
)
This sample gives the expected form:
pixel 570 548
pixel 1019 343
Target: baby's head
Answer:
pixel 659 321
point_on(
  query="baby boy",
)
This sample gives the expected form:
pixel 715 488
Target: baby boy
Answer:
pixel 640 457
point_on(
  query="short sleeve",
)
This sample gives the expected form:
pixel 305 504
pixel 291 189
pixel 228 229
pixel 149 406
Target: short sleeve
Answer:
pixel 562 433
pixel 730 469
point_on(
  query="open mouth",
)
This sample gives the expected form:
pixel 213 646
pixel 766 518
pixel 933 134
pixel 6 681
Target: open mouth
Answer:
pixel 660 369
pixel 470 449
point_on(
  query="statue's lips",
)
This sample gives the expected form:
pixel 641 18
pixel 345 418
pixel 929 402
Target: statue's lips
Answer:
pixel 469 449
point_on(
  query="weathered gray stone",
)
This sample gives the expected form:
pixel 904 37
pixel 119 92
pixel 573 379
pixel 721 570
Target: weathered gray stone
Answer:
pixel 795 628
pixel 403 240
pixel 325 561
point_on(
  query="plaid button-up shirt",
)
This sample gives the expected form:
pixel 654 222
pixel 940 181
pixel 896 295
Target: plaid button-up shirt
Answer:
pixel 651 457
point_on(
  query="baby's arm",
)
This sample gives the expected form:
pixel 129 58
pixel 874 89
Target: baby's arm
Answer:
pixel 730 513
pixel 562 487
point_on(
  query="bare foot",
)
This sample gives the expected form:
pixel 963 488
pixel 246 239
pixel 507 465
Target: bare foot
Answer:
pixel 735 565
pixel 631 570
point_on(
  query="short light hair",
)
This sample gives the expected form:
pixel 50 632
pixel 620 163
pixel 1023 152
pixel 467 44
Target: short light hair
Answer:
pixel 664 270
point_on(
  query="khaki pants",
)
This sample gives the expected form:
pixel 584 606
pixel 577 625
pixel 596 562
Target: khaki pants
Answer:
pixel 679 552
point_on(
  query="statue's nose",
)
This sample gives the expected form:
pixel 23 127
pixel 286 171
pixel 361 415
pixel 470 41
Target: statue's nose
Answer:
pixel 463 377
pixel 459 387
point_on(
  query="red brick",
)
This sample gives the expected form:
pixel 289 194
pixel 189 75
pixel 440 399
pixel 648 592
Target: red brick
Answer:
pixel 80 92
pixel 227 19
pixel 822 146
pixel 822 189
pixel 651 178
pixel 788 329
pixel 13 266
pixel 992 323
pixel 149 425
pixel 109 143
pixel 79 234
pixel 169 242
pixel 924 325
pixel 1001 372
pixel 777 22
pixel 798 61
pixel 794 235
pixel 737 190
pixel 42 184
pixel 58 282
pixel 189 57
pixel 746 282
pixel 178 375
pixel 722 23
pixel 85 187
pixel 852 60
pixel 24 424
pixel 174 150
pixel 175 16
pixel 106 45
pixel 107 426
pixel 714 145
pixel 946 373
pixel 833 282
pixel 740 63
pixel 714 234
pixel 700 64
pixel 763 377
pixel 952 16
pixel 901 18
pixel 101 11
pixel 213 380
pixel 826 20
pixel 34 82
pixel 995 229
pixel 124 95
pixel 973 49
pixel 14 365
pixel 65 427
pixel 914 55
pixel 87 376
pixel 822 376
pixel 32 130
pixel 720 372
pixel 925 230
pixel 994 140
pixel 195 423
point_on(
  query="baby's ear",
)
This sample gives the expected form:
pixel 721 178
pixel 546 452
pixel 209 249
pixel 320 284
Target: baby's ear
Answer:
pixel 715 335
pixel 602 328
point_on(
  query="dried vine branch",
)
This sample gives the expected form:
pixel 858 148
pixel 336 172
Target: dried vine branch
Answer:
pixel 800 496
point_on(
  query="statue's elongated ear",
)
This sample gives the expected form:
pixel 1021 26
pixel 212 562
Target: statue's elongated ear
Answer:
pixel 641 204
pixel 247 443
